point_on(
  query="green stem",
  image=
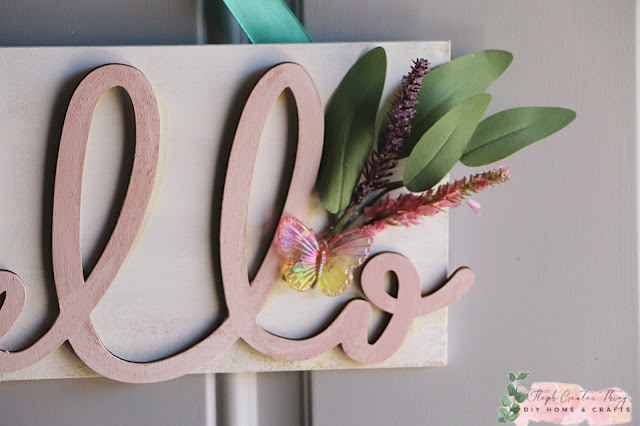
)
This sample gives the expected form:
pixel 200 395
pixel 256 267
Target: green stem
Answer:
pixel 339 223
pixel 385 190
pixel 347 218
pixel 514 398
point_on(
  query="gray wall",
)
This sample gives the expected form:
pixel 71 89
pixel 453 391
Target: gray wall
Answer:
pixel 555 251
pixel 96 22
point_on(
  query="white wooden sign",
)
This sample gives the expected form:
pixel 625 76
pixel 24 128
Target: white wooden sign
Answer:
pixel 168 295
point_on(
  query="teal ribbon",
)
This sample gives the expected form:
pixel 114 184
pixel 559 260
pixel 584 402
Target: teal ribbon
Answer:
pixel 268 21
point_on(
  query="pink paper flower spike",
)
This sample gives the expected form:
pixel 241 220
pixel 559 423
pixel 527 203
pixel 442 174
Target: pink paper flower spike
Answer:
pixel 475 206
pixel 410 209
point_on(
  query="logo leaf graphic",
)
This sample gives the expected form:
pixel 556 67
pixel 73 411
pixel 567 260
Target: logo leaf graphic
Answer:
pixel 510 409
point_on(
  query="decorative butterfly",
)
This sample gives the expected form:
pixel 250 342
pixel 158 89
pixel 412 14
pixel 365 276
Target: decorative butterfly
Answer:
pixel 327 263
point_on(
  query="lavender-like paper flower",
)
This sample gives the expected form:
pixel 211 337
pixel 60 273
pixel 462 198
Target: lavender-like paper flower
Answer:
pixel 380 166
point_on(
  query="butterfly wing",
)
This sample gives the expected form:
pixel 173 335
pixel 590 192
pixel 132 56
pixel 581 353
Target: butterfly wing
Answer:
pixel 336 276
pixel 300 276
pixel 353 246
pixel 346 252
pixel 299 245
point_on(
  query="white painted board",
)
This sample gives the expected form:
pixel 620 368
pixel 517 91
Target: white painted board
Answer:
pixel 166 297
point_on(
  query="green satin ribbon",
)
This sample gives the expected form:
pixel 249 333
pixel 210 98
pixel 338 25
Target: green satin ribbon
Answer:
pixel 268 21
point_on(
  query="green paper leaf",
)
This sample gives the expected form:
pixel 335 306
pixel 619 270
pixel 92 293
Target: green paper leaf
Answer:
pixel 523 376
pixel 503 412
pixel 511 390
pixel 506 401
pixel 507 132
pixel 512 417
pixel 515 408
pixel 502 420
pixel 349 129
pixel 442 146
pixel 512 377
pixel 451 83
pixel 521 396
